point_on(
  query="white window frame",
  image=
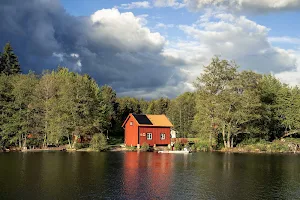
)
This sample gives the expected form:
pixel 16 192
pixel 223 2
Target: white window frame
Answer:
pixel 131 123
pixel 164 136
pixel 149 134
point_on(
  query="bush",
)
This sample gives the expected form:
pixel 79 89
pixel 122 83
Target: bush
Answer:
pixel 80 145
pixel 278 147
pixel 145 146
pixel 201 146
pixel 98 142
pixel 177 146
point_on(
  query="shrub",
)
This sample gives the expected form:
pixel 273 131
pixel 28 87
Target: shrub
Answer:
pixel 177 146
pixel 98 142
pixel 201 146
pixel 80 145
pixel 145 146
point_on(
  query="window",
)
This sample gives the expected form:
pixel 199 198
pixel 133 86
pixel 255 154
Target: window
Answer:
pixel 149 136
pixel 162 136
pixel 131 123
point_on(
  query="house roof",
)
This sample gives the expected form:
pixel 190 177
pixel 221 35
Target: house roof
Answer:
pixel 142 119
pixel 150 120
pixel 159 120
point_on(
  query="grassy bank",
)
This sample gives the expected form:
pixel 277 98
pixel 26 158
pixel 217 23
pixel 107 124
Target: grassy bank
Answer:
pixel 262 146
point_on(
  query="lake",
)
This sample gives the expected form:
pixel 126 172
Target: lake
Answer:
pixel 146 175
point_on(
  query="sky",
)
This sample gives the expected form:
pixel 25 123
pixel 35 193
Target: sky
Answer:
pixel 155 48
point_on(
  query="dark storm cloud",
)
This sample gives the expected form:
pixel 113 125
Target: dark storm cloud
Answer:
pixel 44 35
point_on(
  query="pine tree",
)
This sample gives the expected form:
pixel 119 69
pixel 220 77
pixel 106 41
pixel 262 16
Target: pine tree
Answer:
pixel 9 61
pixel 1 63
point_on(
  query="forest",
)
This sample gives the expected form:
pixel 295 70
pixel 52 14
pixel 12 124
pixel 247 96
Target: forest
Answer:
pixel 229 106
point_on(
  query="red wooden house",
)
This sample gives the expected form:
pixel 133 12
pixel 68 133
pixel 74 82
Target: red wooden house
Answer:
pixel 150 129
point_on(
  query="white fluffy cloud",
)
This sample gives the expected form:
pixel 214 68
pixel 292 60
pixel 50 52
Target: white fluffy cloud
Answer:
pixel 124 31
pixel 240 39
pixel 119 49
pixel 244 5
pixel 133 5
pixel 291 77
pixel 234 38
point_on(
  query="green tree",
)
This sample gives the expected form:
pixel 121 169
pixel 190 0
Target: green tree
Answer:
pixel 99 142
pixel 6 110
pixel 210 102
pixel 9 63
pixel 181 112
pixel 23 87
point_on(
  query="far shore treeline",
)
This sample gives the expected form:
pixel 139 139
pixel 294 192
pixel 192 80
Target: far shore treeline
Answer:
pixel 229 106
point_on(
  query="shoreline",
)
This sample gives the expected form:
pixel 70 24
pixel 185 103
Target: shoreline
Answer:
pixel 123 149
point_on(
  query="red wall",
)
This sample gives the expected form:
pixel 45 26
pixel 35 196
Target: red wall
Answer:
pixel 131 132
pixel 156 131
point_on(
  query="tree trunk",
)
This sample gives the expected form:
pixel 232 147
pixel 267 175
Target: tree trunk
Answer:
pixel 69 141
pixel 224 135
pixel 210 140
pixel 180 123
pixel 228 137
pixel 25 141
pixel 232 142
pixel 20 142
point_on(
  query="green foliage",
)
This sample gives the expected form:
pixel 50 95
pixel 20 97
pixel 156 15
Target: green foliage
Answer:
pixel 81 145
pixel 133 148
pixel 60 106
pixel 228 101
pixel 181 112
pixel 115 140
pixel 98 142
pixel 178 146
pixel 257 145
pixel 145 146
pixel 9 63
pixel 201 146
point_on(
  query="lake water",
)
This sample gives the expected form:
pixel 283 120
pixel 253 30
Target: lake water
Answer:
pixel 132 175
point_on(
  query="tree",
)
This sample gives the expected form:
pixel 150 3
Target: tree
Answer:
pixel 243 104
pixel 99 142
pixel 270 125
pixel 23 87
pixel 228 101
pixel 9 63
pixel 211 87
pixel 108 102
pixel 181 112
pixel 288 109
pixel 6 110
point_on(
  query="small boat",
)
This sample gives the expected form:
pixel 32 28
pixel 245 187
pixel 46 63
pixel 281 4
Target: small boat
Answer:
pixel 185 150
pixel 174 152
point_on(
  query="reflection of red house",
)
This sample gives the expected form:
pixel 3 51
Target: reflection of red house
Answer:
pixel 151 172
pixel 150 129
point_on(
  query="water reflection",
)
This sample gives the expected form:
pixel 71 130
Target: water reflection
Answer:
pixel 147 175
pixel 132 175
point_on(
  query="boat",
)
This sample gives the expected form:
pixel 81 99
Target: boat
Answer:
pixel 180 152
pixel 185 150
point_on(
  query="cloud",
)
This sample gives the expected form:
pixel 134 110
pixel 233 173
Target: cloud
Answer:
pixel 117 48
pixel 285 39
pixel 168 3
pixel 240 39
pixel 244 5
pixel 124 31
pixel 74 55
pixel 164 26
pixel 113 47
pixel 133 5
